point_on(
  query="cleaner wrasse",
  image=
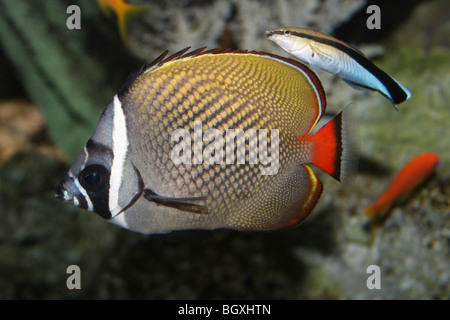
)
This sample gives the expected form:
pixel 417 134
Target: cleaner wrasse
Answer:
pixel 337 57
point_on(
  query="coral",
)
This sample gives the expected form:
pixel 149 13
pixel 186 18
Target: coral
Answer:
pixel 179 24
pixel 60 71
pixel 254 18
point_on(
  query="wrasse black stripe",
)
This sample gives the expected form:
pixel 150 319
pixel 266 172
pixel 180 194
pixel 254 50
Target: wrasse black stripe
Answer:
pixel 398 95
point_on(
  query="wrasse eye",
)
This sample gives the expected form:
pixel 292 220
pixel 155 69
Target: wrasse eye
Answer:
pixel 287 33
pixel 94 177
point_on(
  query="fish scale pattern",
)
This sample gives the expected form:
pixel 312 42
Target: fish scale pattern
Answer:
pixel 224 91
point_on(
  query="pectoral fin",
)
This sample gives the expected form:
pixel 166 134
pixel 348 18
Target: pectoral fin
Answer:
pixel 321 51
pixel 183 204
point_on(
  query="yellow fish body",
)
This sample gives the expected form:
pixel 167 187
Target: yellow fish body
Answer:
pixel 179 147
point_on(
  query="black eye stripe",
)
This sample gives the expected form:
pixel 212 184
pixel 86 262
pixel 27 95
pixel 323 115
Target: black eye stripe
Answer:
pixel 99 147
pixel 94 177
pixel 82 203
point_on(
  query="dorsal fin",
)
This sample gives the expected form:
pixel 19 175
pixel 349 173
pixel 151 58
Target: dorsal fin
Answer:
pixel 177 55
pixel 161 60
pixel 158 62
pixel 133 76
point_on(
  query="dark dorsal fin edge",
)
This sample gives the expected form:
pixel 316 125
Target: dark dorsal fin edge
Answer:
pixel 161 60
pixel 133 76
pixel 202 51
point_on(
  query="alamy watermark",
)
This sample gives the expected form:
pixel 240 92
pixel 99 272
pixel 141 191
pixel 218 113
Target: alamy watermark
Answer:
pixel 74 20
pixel 374 280
pixel 188 150
pixel 74 280
pixel 374 20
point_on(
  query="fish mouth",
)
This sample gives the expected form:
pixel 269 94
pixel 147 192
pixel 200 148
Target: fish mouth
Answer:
pixel 66 192
pixel 269 33
pixel 61 192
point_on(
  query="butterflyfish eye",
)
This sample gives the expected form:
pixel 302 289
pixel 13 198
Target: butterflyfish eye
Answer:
pixel 287 33
pixel 94 177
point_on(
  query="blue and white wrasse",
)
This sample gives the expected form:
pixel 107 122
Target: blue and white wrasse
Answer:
pixel 339 58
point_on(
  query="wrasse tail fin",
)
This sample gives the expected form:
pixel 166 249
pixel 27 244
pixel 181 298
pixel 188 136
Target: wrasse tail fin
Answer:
pixel 402 97
pixel 334 146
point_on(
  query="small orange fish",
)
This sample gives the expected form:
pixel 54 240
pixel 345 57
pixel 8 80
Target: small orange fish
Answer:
pixel 123 11
pixel 409 177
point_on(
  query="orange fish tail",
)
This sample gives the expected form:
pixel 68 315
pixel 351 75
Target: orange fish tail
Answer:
pixel 105 7
pixel 377 210
pixel 334 147
pixel 123 11
pixel 372 210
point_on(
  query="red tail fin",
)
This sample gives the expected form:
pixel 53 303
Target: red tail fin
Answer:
pixel 333 147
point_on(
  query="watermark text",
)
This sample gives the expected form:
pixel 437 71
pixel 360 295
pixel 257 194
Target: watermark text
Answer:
pixel 227 148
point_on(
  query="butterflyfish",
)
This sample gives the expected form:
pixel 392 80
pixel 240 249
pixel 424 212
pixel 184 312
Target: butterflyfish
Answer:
pixel 339 58
pixel 406 180
pixel 214 139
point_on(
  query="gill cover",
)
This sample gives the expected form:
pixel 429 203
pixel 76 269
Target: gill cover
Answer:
pixel 102 177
